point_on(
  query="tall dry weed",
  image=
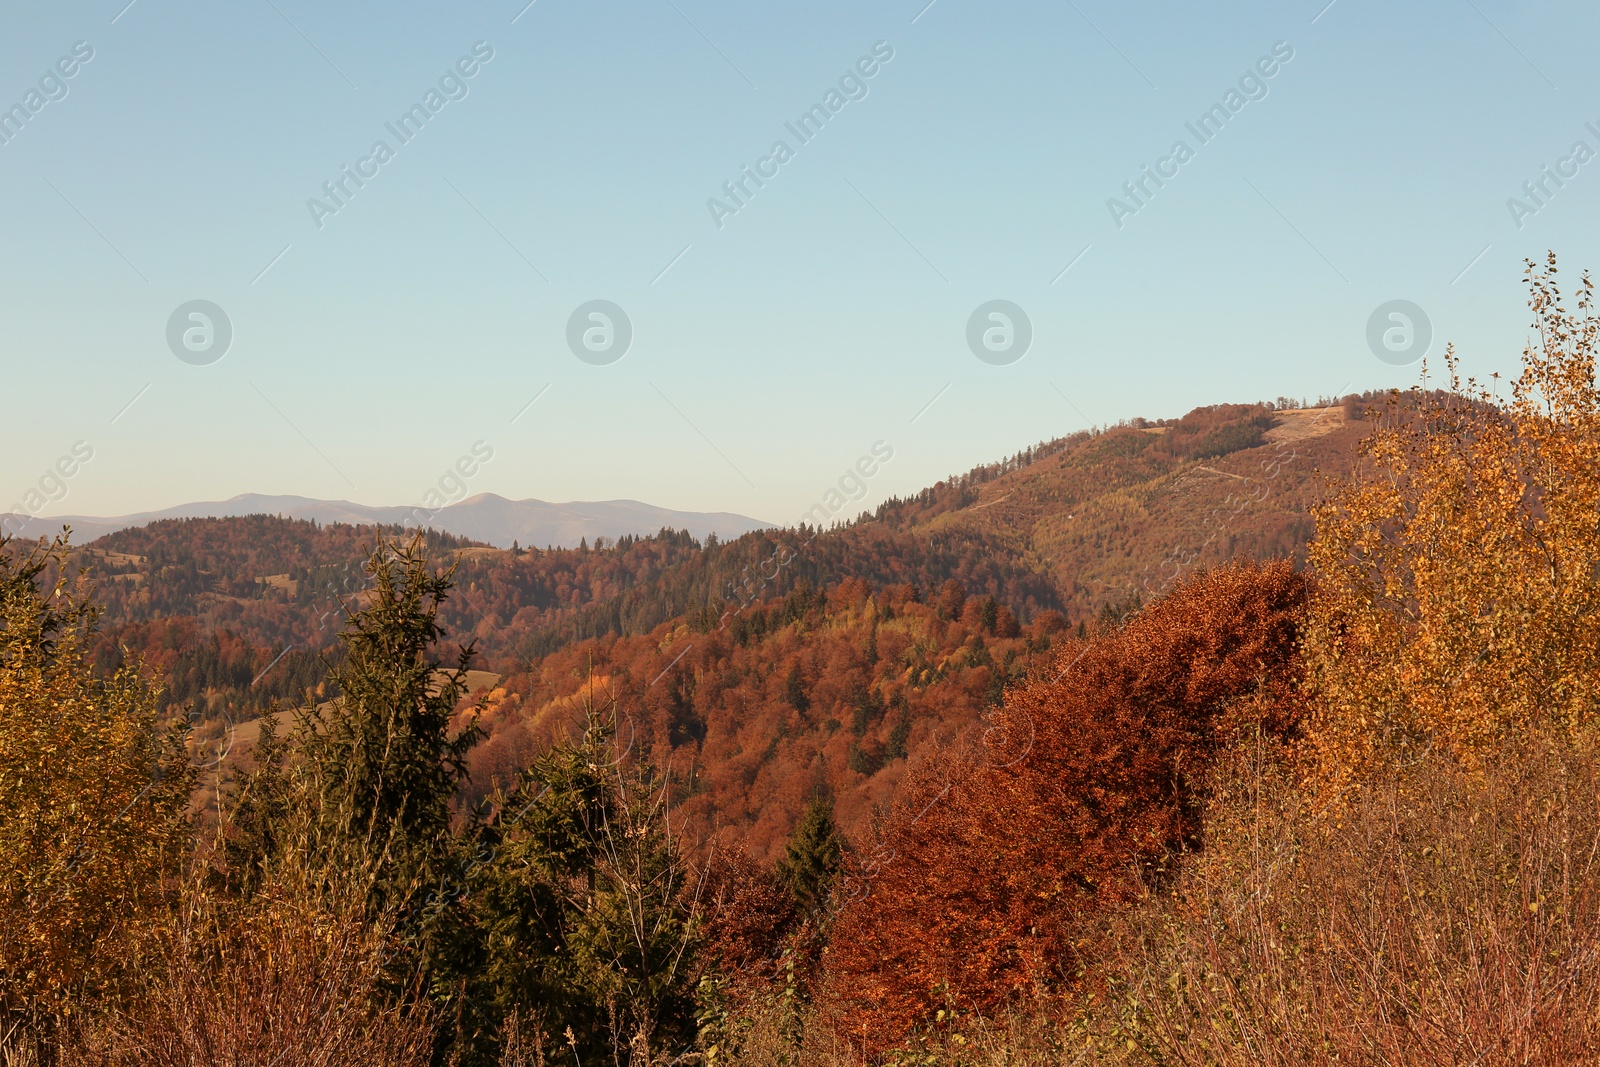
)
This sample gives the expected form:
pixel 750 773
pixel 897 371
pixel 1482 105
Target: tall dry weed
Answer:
pixel 289 977
pixel 1450 914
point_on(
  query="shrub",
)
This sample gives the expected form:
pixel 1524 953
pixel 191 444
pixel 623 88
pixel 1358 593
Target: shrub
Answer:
pixel 93 796
pixel 296 975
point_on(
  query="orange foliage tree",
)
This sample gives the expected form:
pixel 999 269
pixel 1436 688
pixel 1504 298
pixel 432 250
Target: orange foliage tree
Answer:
pixel 1082 784
pixel 1460 568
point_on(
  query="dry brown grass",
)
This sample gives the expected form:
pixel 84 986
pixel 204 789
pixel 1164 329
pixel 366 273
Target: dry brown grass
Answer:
pixel 286 979
pixel 1441 915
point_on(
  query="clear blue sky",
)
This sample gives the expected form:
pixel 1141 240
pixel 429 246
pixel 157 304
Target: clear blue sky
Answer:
pixel 825 315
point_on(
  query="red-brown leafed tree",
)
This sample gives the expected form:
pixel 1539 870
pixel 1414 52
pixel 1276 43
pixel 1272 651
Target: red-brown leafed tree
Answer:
pixel 1085 781
pixel 748 917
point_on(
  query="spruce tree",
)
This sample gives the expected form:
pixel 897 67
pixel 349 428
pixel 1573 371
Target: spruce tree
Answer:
pixel 584 907
pixel 812 857
pixel 365 782
pixel 358 797
pixel 794 690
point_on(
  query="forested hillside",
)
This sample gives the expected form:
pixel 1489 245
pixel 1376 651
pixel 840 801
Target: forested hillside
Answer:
pixel 765 670
pixel 815 693
pixel 1077 524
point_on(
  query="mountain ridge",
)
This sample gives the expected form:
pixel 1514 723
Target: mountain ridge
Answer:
pixel 485 517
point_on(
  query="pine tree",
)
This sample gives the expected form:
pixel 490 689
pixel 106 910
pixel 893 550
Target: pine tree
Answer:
pixel 583 907
pixel 896 749
pixel 794 690
pixel 812 856
pixel 363 785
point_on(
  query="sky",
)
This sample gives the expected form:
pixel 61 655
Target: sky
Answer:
pixel 753 344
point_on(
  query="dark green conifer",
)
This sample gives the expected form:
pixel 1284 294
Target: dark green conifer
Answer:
pixel 812 857
pixel 382 761
pixel 363 785
pixel 584 907
pixel 794 691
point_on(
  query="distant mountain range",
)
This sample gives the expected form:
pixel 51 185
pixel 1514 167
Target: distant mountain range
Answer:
pixel 486 517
